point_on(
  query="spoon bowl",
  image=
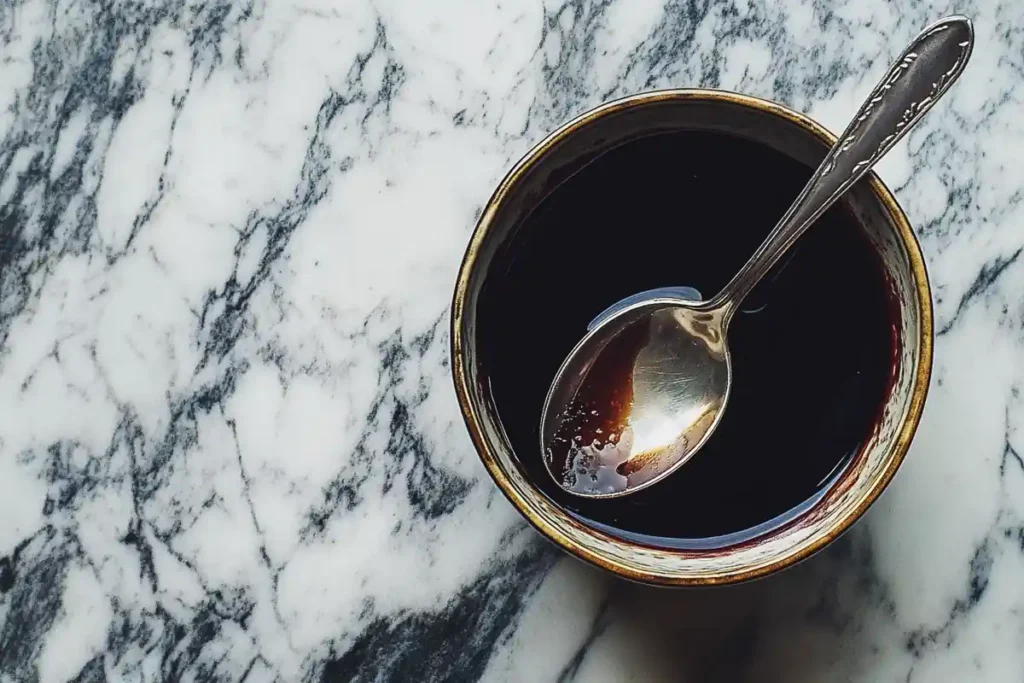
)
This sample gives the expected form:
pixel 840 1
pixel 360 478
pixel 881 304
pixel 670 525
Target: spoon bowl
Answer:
pixel 678 371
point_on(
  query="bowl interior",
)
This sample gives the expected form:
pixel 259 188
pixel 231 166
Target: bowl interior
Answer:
pixel 564 154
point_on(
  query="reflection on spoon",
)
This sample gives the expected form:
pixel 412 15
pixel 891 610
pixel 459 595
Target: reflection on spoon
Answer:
pixel 684 293
pixel 624 419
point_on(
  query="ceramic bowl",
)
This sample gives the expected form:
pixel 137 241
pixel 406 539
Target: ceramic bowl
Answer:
pixel 556 158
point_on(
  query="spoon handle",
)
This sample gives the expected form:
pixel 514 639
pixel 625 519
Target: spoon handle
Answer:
pixel 914 83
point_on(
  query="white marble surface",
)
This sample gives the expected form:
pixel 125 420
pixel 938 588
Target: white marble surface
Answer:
pixel 229 444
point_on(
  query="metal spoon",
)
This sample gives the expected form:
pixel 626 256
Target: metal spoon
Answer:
pixel 671 350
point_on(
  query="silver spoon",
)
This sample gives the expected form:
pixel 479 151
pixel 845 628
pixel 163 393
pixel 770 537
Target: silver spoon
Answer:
pixel 669 347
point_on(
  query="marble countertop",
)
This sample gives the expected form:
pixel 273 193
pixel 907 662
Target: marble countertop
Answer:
pixel 229 443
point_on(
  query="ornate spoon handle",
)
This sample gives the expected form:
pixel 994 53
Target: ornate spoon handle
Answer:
pixel 914 83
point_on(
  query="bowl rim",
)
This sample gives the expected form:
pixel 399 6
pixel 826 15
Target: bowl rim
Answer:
pixel 922 372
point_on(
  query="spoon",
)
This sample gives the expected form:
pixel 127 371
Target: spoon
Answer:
pixel 654 369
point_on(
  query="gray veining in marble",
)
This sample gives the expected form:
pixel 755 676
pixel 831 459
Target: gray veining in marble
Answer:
pixel 229 444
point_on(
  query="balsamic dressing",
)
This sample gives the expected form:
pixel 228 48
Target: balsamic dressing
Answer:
pixel 812 346
pixel 592 442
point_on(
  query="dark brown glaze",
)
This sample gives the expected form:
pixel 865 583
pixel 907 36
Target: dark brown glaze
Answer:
pixel 597 416
pixel 813 346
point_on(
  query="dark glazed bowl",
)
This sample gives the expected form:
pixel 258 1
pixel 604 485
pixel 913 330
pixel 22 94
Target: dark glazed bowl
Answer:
pixel 566 151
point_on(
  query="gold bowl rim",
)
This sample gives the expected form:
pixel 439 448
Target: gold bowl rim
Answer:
pixel 922 373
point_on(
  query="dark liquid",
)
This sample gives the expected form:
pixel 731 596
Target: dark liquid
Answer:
pixel 812 346
pixel 595 423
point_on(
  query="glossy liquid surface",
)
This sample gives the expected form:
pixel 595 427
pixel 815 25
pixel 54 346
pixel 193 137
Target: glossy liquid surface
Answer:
pixel 593 441
pixel 812 346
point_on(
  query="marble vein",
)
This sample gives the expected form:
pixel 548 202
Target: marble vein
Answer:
pixel 229 445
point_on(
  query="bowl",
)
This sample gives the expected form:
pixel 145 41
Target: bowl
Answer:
pixel 564 153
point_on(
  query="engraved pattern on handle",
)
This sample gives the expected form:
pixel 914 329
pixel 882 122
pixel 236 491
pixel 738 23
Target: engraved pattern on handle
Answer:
pixel 914 110
pixel 913 84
